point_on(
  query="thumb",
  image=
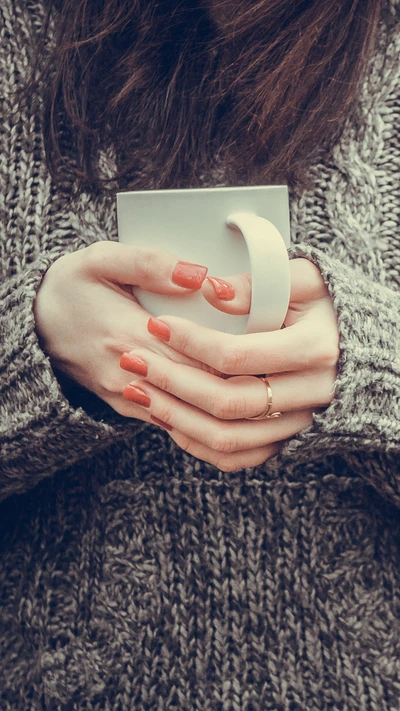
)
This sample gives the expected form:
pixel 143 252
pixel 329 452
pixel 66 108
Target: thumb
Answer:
pixel 307 283
pixel 150 269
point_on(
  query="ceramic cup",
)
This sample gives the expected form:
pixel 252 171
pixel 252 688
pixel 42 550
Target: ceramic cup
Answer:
pixel 228 230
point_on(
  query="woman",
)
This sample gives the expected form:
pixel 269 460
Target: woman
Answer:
pixel 161 549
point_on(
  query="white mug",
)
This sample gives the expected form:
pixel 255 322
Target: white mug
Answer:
pixel 228 230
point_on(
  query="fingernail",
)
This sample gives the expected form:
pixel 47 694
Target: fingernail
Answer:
pixel 158 328
pixel 136 394
pixel 190 276
pixel 223 289
pixel 163 424
pixel 133 363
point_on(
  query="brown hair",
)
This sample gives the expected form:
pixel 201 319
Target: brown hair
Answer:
pixel 172 88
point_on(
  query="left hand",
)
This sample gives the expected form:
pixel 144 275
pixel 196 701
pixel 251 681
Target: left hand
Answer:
pixel 205 412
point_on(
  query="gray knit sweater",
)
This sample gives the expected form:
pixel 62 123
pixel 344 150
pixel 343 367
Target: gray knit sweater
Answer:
pixel 133 576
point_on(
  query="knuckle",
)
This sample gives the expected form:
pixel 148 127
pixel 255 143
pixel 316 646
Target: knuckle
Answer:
pixel 144 262
pixel 234 462
pixel 96 254
pixel 164 413
pixel 232 359
pixel 305 350
pixel 323 353
pixel 163 382
pixel 184 344
pixel 329 353
pixel 229 407
pixel 223 443
pixel 111 385
pixel 310 349
pixel 123 408
pixel 226 464
pixel 185 443
pixel 318 349
pixel 212 404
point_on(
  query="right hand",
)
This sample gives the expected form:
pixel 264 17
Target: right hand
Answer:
pixel 86 315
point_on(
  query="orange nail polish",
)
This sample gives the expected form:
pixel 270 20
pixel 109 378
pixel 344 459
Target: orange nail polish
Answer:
pixel 134 364
pixel 223 289
pixel 163 424
pixel 187 275
pixel 137 395
pixel 158 328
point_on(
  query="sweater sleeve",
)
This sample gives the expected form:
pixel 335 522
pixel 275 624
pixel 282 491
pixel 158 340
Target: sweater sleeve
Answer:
pixel 40 430
pixel 362 423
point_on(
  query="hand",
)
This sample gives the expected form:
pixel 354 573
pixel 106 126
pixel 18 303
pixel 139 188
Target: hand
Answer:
pixel 86 315
pixel 205 413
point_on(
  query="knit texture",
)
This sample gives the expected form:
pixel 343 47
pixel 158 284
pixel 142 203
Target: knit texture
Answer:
pixel 135 577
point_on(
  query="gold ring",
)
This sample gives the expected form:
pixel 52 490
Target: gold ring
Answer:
pixel 264 415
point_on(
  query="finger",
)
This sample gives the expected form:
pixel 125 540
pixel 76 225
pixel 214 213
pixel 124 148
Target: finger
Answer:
pixel 219 435
pixel 297 348
pixel 150 269
pixel 225 462
pixel 306 281
pixel 234 398
pixel 231 295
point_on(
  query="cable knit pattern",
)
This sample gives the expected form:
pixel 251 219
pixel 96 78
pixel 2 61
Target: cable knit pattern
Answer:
pixel 134 577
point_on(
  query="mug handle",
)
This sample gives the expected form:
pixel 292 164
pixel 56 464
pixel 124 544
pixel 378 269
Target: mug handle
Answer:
pixel 270 274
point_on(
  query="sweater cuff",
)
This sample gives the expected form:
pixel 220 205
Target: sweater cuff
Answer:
pixel 40 431
pixel 364 413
